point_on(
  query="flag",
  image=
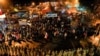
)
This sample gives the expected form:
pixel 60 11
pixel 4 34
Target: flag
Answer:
pixel 1 12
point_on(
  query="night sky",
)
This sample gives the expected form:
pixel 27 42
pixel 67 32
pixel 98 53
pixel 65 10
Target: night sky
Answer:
pixel 83 2
pixel 26 1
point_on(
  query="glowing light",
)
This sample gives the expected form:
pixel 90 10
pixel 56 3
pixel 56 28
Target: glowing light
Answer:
pixel 72 10
pixel 2 1
pixel 5 3
pixel 33 4
pixel 82 9
pixel 69 6
pixel 75 3
pixel 16 10
pixel 95 40
pixel 72 3
pixel 0 12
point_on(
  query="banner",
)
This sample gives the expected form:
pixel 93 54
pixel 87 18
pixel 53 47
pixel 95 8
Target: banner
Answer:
pixel 51 15
pixel 2 17
pixel 34 16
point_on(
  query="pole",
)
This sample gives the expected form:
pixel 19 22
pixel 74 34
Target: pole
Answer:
pixel 98 30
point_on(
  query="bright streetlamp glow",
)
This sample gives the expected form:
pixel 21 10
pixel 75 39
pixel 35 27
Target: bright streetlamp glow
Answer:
pixel 2 1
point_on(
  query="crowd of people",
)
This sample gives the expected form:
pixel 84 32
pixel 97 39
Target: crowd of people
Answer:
pixel 71 27
pixel 68 27
pixel 20 51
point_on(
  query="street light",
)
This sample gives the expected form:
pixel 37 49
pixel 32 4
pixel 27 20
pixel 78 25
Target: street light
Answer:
pixel 2 2
pixel 33 4
pixel 5 3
